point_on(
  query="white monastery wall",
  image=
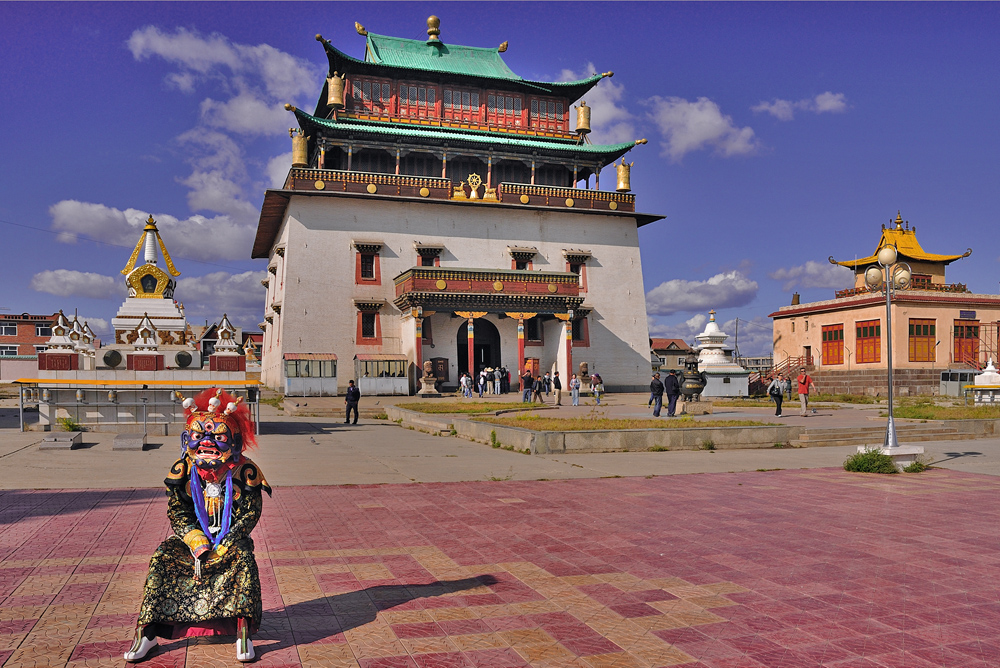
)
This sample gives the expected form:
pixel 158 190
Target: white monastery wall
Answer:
pixel 315 280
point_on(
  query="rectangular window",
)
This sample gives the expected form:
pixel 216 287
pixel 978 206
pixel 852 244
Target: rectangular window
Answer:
pixel 922 337
pixel 41 349
pixel 368 325
pixel 503 110
pixel 833 344
pixel 966 341
pixel 581 334
pixel 43 330
pixel 418 101
pixel 9 330
pixel 521 264
pixel 426 261
pixel 367 266
pixel 549 115
pixel 533 330
pixel 8 351
pixel 371 96
pixel 868 341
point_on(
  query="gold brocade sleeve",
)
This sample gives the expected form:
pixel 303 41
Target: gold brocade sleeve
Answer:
pixel 180 512
pixel 197 542
pixel 246 514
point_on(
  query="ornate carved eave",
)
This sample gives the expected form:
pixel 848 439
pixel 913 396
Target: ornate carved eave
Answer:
pixel 369 305
pixel 279 250
pixel 262 326
pixel 428 250
pixel 576 256
pixel 366 246
pixel 491 303
pixel 522 253
pixel 265 282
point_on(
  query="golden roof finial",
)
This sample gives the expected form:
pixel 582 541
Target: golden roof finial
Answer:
pixel 899 220
pixel 503 47
pixel 150 224
pixel 361 29
pixel 433 28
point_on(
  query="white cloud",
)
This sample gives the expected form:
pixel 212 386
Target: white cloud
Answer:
pixel 277 169
pixel 99 325
pixel 814 275
pixel 195 237
pixel 725 290
pixel 691 126
pixel 245 114
pixel 240 296
pixel 610 122
pixel 784 110
pixel 69 283
pixel 211 56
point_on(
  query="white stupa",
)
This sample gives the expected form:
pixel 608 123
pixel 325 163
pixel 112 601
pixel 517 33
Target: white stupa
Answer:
pixel 150 293
pixel 723 376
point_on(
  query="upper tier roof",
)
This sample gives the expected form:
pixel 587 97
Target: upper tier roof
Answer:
pixel 436 60
pixel 907 246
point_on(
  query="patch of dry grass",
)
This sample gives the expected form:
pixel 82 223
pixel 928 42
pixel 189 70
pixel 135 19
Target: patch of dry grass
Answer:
pixel 544 423
pixel 928 411
pixel 465 407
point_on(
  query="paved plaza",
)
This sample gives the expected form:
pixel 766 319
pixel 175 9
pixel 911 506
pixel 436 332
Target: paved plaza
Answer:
pixel 501 559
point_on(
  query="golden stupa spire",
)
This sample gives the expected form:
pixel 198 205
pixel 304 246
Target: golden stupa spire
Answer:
pixel 150 251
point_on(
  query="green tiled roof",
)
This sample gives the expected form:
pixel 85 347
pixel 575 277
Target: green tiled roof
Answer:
pixel 437 57
pixel 395 56
pixel 605 152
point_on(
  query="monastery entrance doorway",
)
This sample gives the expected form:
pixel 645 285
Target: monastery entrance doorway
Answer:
pixel 485 346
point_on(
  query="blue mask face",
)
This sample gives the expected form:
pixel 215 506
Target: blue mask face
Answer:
pixel 209 442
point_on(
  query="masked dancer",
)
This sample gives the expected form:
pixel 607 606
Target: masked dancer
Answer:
pixel 203 579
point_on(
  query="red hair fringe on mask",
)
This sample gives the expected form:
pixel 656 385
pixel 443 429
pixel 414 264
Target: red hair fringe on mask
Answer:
pixel 240 418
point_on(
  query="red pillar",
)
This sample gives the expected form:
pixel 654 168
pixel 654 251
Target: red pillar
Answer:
pixel 569 349
pixel 420 346
pixel 470 337
pixel 520 348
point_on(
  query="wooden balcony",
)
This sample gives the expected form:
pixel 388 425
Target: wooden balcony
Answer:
pixel 517 194
pixel 555 196
pixel 492 290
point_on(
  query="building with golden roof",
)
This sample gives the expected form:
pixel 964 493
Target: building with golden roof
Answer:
pixel 939 328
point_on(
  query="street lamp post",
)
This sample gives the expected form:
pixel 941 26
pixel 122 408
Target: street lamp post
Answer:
pixel 886 278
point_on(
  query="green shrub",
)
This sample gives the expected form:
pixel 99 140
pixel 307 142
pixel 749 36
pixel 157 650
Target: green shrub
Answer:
pixel 707 444
pixel 68 424
pixel 918 466
pixel 870 461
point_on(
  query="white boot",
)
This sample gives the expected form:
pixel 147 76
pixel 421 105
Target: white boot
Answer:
pixel 140 648
pixel 244 650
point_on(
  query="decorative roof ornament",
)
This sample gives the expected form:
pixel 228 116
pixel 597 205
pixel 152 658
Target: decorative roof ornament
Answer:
pixel 89 338
pixel 433 28
pixel 357 26
pixel 904 239
pixel 226 342
pixel 76 335
pixel 146 332
pixel 502 48
pixel 60 334
pixel 148 243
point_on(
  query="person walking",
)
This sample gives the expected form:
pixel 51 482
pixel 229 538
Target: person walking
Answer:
pixel 574 390
pixel 527 386
pixel 539 387
pixel 548 383
pixel 351 400
pixel 672 388
pixel 597 387
pixel 806 384
pixel 776 390
pixel 656 393
pixel 557 388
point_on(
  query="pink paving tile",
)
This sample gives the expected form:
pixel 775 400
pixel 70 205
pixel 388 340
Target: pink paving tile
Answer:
pixel 402 661
pixel 634 610
pixel 442 660
pixel 496 658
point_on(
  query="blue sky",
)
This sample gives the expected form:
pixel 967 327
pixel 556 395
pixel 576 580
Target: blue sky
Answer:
pixel 779 134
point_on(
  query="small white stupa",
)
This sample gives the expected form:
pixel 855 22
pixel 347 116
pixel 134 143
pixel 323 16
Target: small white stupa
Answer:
pixel 723 376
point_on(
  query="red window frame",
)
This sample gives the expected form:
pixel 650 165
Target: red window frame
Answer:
pixel 868 341
pixel 540 341
pixel 833 344
pixel 581 327
pixel 376 265
pixel 468 108
pixel 364 99
pixel 551 116
pixel 504 109
pixel 369 341
pixel 582 273
pixel 419 101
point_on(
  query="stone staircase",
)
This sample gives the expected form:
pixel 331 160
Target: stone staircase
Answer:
pixel 875 435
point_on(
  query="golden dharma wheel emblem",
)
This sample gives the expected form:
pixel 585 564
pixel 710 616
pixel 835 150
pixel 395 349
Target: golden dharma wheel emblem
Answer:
pixel 441 285
pixel 372 188
pixel 553 287
pixel 424 192
pixel 525 199
pixel 498 286
pixel 613 206
pixel 319 185
pixel 569 201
